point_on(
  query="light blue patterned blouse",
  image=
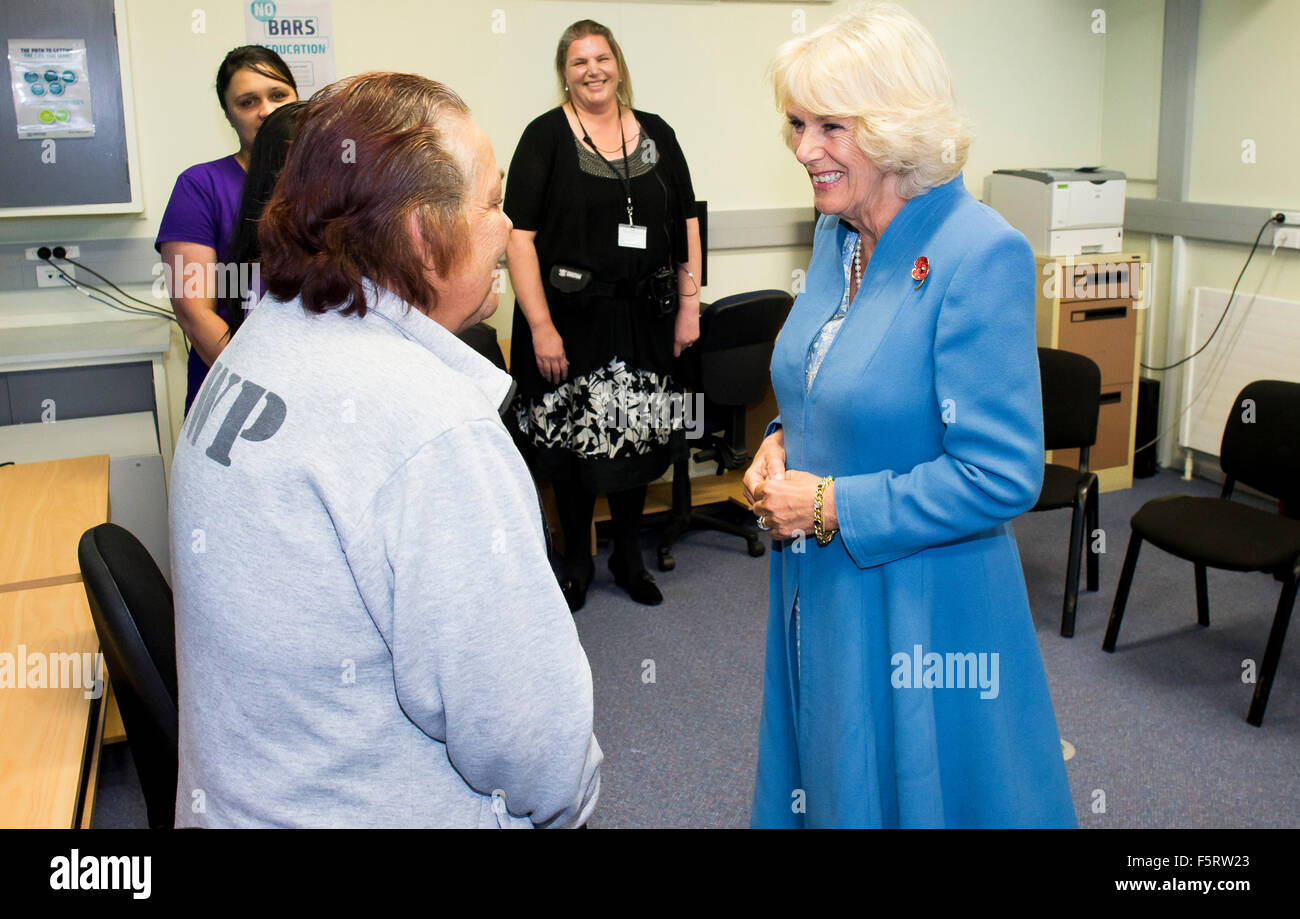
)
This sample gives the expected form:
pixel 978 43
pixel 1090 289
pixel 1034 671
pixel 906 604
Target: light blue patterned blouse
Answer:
pixel 822 343
pixel 816 354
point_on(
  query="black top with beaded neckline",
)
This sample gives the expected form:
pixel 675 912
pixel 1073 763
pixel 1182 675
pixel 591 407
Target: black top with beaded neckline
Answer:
pixel 557 189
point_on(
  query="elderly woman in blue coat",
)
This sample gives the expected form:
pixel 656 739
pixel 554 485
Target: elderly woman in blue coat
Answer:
pixel 904 685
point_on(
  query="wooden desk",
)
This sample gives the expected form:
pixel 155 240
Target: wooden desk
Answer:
pixel 51 735
pixel 49 755
pixel 44 509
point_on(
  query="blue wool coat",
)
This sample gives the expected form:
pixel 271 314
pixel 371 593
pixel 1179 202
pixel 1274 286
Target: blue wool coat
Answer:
pixel 910 690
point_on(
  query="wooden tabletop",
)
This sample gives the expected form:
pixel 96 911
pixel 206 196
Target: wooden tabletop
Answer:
pixel 45 727
pixel 44 509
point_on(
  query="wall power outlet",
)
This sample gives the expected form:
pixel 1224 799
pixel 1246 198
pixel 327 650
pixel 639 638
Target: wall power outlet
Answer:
pixel 1290 218
pixel 48 275
pixel 72 252
pixel 1287 237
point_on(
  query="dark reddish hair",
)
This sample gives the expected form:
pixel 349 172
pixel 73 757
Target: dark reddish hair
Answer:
pixel 371 152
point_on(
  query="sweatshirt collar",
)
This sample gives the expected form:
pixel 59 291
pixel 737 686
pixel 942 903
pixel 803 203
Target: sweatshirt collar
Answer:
pixel 496 385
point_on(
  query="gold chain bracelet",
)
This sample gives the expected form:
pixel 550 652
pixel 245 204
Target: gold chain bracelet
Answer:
pixel 823 538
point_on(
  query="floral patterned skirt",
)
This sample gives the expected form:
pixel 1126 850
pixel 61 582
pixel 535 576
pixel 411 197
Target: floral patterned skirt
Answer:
pixel 613 428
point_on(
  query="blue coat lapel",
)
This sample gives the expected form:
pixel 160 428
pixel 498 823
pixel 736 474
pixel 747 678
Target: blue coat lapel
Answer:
pixel 887 286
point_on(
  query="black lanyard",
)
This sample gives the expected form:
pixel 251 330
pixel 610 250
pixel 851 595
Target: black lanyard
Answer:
pixel 626 176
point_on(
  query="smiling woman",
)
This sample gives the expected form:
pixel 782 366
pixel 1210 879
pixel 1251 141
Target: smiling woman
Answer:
pixel 198 226
pixel 910 434
pixel 603 261
pixel 345 459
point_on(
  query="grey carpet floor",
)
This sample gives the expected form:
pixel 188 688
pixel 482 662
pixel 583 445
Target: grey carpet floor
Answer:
pixel 1158 727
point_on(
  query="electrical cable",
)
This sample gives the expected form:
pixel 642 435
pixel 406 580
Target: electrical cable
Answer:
pixel 118 304
pixel 112 302
pixel 1209 378
pixel 149 309
pixel 64 258
pixel 1276 218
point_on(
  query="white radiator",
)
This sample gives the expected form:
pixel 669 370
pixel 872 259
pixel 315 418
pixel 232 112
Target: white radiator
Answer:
pixel 1259 340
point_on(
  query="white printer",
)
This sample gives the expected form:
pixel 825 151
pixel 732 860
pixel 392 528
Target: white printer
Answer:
pixel 1061 211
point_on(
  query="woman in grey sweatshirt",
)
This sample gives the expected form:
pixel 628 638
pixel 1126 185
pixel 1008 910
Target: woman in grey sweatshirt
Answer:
pixel 368 630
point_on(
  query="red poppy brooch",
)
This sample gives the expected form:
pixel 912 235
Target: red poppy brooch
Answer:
pixel 920 271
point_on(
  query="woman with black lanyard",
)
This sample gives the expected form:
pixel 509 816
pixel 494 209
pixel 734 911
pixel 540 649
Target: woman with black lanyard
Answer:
pixel 604 260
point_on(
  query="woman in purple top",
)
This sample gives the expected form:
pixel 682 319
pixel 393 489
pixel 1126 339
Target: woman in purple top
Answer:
pixel 199 223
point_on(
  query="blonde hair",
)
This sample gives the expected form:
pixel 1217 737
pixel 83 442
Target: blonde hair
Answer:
pixel 585 28
pixel 879 66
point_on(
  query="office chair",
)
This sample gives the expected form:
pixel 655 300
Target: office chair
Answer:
pixel 483 339
pixel 1071 403
pixel 1261 448
pixel 730 366
pixel 131 606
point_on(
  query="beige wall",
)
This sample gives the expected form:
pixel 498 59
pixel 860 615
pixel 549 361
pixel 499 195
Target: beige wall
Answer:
pixel 1245 90
pixel 1241 92
pixel 699 65
pixel 1130 125
pixel 1038 83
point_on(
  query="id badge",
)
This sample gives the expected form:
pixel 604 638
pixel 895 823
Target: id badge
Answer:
pixel 630 236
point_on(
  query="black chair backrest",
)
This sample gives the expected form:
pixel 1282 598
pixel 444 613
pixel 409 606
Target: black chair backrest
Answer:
pixel 1071 398
pixel 737 335
pixel 1261 440
pixel 131 606
pixel 483 339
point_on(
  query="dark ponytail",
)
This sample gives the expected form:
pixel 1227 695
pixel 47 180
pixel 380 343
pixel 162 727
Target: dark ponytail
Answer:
pixel 265 160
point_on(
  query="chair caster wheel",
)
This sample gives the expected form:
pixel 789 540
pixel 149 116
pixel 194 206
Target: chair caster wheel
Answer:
pixel 666 561
pixel 756 548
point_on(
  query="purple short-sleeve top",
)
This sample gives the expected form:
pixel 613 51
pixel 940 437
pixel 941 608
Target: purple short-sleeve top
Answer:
pixel 202 209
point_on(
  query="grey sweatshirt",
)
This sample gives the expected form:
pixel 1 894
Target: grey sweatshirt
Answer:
pixel 368 632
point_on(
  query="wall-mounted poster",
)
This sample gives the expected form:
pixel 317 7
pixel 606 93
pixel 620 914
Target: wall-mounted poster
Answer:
pixel 301 32
pixel 51 88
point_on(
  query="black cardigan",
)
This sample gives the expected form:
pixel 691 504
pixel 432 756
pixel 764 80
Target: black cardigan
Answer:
pixel 547 192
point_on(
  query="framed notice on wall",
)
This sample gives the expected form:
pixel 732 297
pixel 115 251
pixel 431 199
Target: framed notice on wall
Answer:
pixel 51 88
pixel 67 133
